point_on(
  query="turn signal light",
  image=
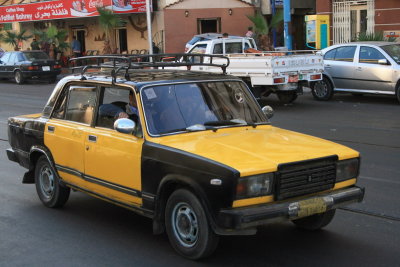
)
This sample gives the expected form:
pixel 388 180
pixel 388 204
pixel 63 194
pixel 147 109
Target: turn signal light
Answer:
pixel 279 80
pixel 315 77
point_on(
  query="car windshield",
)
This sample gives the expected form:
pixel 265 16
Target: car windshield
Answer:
pixel 393 51
pixel 199 106
pixel 194 40
pixel 35 55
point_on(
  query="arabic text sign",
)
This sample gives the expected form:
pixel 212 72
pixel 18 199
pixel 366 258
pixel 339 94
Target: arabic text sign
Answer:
pixel 66 9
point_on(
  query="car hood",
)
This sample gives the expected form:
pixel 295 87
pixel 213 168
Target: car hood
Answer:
pixel 255 150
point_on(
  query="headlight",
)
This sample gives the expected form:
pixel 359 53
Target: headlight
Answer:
pixel 254 186
pixel 347 169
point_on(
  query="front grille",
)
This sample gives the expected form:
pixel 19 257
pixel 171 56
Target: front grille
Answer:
pixel 305 177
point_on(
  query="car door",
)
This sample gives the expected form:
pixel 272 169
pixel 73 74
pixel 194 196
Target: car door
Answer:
pixel 4 59
pixel 339 64
pixel 371 75
pixel 113 159
pixel 65 131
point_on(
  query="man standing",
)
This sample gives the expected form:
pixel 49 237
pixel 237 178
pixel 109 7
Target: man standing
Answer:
pixel 76 47
pixel 35 44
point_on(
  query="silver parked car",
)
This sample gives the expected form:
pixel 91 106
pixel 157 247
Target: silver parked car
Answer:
pixel 360 68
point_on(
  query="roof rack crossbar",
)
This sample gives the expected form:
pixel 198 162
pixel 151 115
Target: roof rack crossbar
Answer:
pixel 127 61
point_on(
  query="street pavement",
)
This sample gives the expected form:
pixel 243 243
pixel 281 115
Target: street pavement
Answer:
pixel 91 232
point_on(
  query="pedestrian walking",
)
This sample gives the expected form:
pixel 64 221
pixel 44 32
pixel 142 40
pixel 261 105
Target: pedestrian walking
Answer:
pixel 76 47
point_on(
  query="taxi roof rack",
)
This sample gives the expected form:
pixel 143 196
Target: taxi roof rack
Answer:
pixel 126 62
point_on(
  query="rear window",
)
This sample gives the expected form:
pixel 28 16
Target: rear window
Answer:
pixel 35 55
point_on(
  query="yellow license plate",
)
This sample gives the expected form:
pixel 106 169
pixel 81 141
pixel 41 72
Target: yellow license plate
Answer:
pixel 311 206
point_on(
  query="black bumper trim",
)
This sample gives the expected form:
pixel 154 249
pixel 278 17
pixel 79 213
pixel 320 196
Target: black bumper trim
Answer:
pixel 248 217
pixel 12 155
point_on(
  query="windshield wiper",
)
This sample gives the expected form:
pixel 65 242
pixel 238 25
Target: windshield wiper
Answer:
pixel 225 122
pixel 191 128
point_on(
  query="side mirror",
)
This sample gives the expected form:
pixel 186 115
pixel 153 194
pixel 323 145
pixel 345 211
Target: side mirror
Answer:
pixel 268 111
pixel 125 126
pixel 383 62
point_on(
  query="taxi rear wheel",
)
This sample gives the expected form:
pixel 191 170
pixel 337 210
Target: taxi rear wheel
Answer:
pixel 49 190
pixel 187 226
pixel 316 221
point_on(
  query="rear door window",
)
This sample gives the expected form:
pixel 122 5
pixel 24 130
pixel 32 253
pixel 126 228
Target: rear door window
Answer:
pixel 345 53
pixel 330 55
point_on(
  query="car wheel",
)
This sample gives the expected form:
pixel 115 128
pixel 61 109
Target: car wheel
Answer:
pixel 316 221
pixel 287 97
pixel 322 90
pixel 187 226
pixel 51 193
pixel 19 79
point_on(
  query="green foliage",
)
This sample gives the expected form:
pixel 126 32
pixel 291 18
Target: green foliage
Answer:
pixel 376 36
pixel 261 25
pixel 13 38
pixel 53 35
pixel 108 20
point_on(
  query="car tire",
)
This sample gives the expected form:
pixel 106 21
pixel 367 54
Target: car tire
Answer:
pixel 287 97
pixel 18 77
pixel 48 188
pixel 322 90
pixel 316 221
pixel 187 226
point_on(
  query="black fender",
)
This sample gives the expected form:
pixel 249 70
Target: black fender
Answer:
pixel 34 154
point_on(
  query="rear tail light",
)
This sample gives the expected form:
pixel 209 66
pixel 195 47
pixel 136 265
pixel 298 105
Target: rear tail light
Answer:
pixel 316 77
pixel 279 80
pixel 33 67
pixel 57 66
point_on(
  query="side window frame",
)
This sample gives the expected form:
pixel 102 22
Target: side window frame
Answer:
pixel 372 48
pixel 343 47
pixel 66 98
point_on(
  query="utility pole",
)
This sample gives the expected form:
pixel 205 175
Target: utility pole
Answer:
pixel 287 24
pixel 149 32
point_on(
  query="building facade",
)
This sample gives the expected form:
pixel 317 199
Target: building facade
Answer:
pixel 349 18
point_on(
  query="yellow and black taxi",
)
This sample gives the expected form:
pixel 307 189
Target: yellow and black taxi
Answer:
pixel 193 151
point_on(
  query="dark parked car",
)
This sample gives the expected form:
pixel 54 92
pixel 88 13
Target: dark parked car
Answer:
pixel 23 65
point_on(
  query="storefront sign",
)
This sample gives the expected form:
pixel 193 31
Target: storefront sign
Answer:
pixel 67 9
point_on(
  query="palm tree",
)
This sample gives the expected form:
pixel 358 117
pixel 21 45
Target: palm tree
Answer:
pixel 13 38
pixel 108 22
pixel 262 28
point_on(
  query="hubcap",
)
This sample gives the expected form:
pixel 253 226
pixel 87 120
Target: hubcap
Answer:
pixel 47 182
pixel 185 225
pixel 18 77
pixel 321 89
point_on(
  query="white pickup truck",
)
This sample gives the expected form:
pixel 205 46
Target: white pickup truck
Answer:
pixel 283 73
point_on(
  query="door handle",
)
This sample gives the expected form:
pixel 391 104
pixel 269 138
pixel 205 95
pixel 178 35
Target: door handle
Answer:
pixel 359 69
pixel 51 129
pixel 92 138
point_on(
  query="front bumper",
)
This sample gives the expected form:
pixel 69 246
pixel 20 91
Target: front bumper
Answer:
pixel 250 217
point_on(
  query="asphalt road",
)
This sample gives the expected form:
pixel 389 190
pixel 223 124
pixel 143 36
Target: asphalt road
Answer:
pixel 90 232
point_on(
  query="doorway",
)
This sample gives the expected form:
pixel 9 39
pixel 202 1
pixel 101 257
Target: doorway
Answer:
pixel 80 36
pixel 122 39
pixel 359 20
pixel 209 25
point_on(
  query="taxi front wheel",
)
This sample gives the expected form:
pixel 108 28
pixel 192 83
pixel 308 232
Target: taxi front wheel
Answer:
pixel 187 226
pixel 316 221
pixel 49 190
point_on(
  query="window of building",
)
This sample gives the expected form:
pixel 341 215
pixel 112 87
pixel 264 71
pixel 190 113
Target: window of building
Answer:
pixel 208 25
